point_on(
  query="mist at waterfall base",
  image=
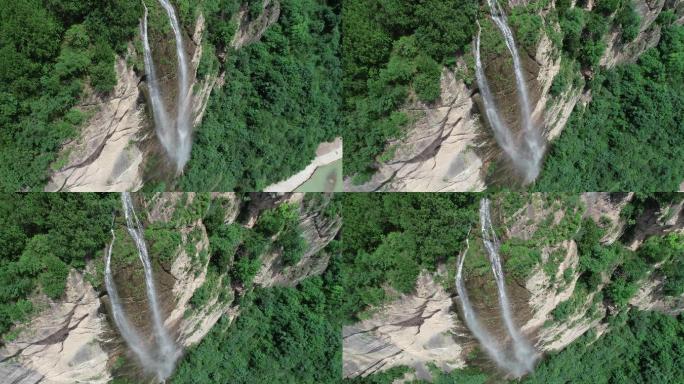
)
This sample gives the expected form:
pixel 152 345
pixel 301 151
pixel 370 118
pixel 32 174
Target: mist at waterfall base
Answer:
pixel 526 152
pixel 174 133
pixel 160 358
pixel 521 359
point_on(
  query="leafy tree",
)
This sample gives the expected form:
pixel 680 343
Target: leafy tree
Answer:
pixel 388 238
pixel 283 335
pixel 280 99
pixel 635 107
pixel 389 48
pixel 48 50
pixel 647 348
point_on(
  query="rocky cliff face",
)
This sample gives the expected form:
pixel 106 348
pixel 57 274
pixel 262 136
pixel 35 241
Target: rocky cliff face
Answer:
pixel 427 327
pixel 74 339
pixel 413 330
pixel 118 141
pixel 450 148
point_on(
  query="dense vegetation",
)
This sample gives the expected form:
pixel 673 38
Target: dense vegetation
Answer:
pixel 390 48
pixel 389 238
pixel 42 237
pixel 642 347
pixel 639 347
pixel 283 335
pixel 49 51
pixel 630 137
pixel 280 99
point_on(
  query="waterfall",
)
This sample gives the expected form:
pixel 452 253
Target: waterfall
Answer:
pixel 524 355
pixel 528 161
pixel 174 135
pixel 491 346
pixel 167 348
pixel 523 351
pixel 129 334
pixel 163 360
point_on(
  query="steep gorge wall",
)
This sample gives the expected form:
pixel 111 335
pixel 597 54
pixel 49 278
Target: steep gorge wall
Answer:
pixel 427 326
pixel 450 148
pixel 74 339
pixel 118 141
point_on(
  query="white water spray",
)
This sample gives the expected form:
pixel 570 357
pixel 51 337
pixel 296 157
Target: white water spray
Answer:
pixel 162 361
pixel 491 346
pixel 129 334
pixel 167 347
pixel 524 355
pixel 174 135
pixel 528 158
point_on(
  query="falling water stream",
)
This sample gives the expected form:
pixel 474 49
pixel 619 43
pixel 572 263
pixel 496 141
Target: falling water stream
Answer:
pixel 524 355
pixel 162 360
pixel 526 155
pixel 174 135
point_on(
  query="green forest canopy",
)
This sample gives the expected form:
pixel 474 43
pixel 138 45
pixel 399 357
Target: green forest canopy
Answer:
pixel 388 48
pixel 630 137
pixel 280 100
pixel 43 236
pixel 390 237
pixel 48 51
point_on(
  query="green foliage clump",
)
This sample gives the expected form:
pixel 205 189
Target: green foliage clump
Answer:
pixel 388 48
pixel 569 75
pixel 583 32
pixel 208 289
pixel 280 100
pixel 595 259
pixel 629 21
pixel 569 307
pixel 248 258
pixel 624 280
pixel 528 25
pixel 646 348
pixel 163 241
pixel 283 335
pixel 48 50
pixel 520 258
pixel 670 249
pixel 388 238
pixel 43 236
pixel 635 107
pixel 224 242
pixel 283 221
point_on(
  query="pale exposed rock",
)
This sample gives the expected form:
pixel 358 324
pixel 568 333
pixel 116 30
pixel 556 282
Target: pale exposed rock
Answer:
pixel 667 219
pixel 649 298
pixel 16 374
pixel 326 153
pixel 439 151
pixel 62 343
pixel 250 31
pixel 414 330
pixel 602 207
pixel 318 230
pixel 618 52
pixel 106 156
pixel 546 294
